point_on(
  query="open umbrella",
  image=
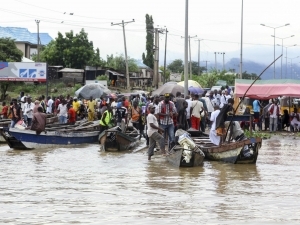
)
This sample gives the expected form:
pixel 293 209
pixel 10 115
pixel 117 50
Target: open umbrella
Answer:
pixel 190 83
pixel 95 90
pixel 168 88
pixel 196 90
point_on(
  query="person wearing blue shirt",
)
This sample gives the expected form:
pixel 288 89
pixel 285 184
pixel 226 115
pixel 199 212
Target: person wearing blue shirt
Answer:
pixel 256 110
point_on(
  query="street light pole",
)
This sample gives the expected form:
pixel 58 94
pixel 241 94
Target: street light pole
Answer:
pixel 274 38
pixel 282 49
pixel 186 25
pixel 241 54
pixel 38 39
pixel 286 47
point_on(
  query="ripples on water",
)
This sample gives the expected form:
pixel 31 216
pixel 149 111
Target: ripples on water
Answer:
pixel 85 186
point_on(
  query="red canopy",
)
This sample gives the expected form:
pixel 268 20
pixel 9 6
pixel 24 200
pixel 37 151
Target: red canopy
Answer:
pixel 266 89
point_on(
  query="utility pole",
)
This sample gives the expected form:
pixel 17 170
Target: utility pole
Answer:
pixel 156 56
pixel 191 72
pixel 186 31
pixel 206 64
pixel 199 55
pixel 38 39
pixel 126 60
pixel 165 60
pixel 215 61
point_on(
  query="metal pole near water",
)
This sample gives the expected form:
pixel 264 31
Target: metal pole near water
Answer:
pixel 186 76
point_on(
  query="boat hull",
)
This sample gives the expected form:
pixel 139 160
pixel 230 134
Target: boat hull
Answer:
pixel 176 158
pixel 27 139
pixel 232 152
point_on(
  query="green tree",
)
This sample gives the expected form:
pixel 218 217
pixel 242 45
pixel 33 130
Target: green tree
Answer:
pixel 148 59
pixel 167 77
pixel 96 61
pixel 71 50
pixel 8 53
pixel 118 63
pixel 176 66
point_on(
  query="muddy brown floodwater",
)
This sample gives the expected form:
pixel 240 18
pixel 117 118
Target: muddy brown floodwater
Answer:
pixel 84 186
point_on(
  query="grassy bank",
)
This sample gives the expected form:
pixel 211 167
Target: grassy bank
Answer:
pixel 36 90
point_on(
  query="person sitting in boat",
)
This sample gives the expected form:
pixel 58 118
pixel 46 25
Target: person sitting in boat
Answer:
pixel 71 114
pixel 214 138
pixel 39 121
pixel 106 119
pixel 237 131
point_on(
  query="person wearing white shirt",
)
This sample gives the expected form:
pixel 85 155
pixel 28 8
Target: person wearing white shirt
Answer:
pixel 28 111
pixel 214 138
pixel 62 112
pixel 49 105
pixel 274 111
pixel 223 100
pixel 188 109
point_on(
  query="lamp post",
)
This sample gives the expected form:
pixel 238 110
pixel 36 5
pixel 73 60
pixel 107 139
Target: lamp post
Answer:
pixel 282 50
pixel 292 64
pixel 38 39
pixel 274 28
pixel 286 47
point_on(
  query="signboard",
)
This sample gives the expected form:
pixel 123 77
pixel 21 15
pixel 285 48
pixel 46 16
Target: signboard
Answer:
pixel 19 71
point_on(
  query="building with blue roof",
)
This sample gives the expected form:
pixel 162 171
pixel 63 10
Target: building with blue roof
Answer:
pixel 24 39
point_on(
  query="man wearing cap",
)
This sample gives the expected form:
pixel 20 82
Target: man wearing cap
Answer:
pixel 76 105
pixel 166 111
pixel 154 133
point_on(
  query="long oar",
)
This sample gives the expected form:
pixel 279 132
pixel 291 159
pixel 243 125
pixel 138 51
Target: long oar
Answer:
pixel 246 93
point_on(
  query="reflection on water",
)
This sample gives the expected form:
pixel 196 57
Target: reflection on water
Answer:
pixel 82 185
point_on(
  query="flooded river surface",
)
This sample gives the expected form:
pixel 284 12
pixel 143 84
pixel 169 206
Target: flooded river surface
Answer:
pixel 84 186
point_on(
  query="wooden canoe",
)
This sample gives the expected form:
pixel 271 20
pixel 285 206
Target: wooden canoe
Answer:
pixel 231 152
pixel 113 140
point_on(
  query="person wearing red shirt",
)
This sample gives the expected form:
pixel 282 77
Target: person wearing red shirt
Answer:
pixel 71 114
pixel 4 111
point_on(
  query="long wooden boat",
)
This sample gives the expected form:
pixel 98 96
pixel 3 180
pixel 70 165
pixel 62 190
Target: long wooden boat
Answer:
pixel 180 157
pixel 233 152
pixel 113 140
pixel 24 139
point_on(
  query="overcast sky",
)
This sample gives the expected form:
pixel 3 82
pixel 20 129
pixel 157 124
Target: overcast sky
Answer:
pixel 218 22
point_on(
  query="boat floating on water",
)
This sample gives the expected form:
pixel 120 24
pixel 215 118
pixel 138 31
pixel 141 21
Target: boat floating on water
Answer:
pixel 113 139
pixel 23 139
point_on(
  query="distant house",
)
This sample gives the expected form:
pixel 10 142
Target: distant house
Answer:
pixel 24 39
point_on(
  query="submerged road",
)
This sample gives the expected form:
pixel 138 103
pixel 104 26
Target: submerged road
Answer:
pixel 84 186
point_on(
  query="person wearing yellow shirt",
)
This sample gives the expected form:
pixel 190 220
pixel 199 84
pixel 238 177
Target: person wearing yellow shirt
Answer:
pixel 91 105
pixel 76 105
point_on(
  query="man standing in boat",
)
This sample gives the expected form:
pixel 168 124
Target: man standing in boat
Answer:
pixel 16 113
pixel 106 119
pixel 39 121
pixel 154 133
pixel 28 111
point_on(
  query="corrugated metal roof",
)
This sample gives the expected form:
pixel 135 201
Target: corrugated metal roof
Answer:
pixel 71 70
pixel 20 34
pixel 45 38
